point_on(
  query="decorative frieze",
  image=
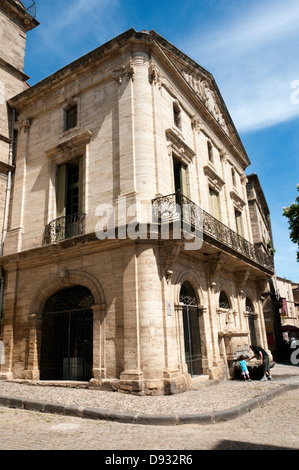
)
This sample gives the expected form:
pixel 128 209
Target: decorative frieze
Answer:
pixel 201 87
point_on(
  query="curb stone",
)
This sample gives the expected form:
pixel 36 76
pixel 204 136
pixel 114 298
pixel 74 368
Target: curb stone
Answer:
pixel 145 419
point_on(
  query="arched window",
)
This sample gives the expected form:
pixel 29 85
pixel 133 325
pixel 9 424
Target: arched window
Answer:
pixel 187 295
pixel 223 300
pixel 249 307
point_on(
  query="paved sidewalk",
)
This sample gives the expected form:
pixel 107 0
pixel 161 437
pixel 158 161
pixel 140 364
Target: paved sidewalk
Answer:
pixel 207 405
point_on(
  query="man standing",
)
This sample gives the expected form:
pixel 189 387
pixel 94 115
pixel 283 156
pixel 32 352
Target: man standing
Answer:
pixel 260 353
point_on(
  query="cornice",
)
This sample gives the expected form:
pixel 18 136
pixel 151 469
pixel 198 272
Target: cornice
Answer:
pixel 13 70
pixel 178 146
pixel 20 13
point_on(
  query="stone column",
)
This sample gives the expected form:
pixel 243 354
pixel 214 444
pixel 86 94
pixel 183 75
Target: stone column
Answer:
pixel 6 368
pixel 13 240
pixel 35 326
pixel 124 77
pixel 131 379
pixel 180 337
pixel 99 327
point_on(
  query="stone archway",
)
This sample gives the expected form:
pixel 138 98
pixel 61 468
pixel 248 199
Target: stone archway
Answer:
pixel 63 280
pixel 192 339
pixel 67 335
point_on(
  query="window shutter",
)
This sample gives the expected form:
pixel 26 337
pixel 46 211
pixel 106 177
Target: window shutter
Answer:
pixel 61 191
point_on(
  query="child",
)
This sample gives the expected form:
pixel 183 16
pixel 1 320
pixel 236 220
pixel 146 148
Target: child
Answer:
pixel 244 370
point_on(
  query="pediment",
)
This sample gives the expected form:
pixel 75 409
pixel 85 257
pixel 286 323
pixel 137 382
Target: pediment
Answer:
pixel 203 84
pixel 206 94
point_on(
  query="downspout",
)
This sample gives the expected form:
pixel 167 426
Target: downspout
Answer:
pixel 5 221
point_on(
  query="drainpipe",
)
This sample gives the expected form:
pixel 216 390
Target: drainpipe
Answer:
pixel 5 221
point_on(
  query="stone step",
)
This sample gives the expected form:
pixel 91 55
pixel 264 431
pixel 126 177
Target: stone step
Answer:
pixel 199 381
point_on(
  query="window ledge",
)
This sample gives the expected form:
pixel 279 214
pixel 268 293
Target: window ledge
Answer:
pixel 77 138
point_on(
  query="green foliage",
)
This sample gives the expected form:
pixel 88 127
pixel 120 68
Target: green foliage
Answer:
pixel 271 247
pixel 292 213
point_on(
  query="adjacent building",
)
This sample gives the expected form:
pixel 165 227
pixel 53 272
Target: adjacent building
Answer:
pixel 289 309
pixel 129 259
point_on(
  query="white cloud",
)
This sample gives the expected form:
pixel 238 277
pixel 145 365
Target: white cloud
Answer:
pixel 254 60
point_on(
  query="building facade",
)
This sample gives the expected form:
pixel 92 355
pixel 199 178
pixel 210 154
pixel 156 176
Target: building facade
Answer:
pixel 262 239
pixel 129 259
pixel 289 310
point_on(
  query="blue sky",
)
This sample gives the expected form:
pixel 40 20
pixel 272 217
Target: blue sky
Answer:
pixel 251 48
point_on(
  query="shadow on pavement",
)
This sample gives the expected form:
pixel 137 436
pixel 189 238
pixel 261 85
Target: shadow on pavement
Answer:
pixel 239 445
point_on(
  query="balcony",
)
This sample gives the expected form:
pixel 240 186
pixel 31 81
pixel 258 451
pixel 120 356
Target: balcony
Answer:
pixel 64 227
pixel 177 207
pixel 30 7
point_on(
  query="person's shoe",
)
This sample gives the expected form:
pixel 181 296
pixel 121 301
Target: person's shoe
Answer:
pixel 269 377
pixel 263 379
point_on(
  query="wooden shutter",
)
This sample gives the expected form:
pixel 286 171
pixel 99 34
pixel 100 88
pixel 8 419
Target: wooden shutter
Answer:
pixel 61 191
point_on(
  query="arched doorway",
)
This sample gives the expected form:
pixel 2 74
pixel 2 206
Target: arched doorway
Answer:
pixel 192 341
pixel 250 316
pixel 67 335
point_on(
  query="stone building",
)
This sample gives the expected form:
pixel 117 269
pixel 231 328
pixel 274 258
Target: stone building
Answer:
pixel 289 309
pixel 262 239
pixel 15 22
pixel 129 259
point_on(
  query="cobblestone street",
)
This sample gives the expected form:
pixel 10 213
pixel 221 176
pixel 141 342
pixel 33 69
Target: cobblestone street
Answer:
pixel 273 426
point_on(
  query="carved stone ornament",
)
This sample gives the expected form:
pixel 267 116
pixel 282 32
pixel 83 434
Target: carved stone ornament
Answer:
pixel 171 250
pixel 196 124
pixel 22 125
pixel 155 76
pixel 124 71
pixel 64 277
pixel 207 96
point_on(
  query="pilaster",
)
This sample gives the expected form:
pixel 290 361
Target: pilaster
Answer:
pixel 34 344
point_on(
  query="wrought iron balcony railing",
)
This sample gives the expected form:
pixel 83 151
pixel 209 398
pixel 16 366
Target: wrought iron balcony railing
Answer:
pixel 30 6
pixel 177 207
pixel 64 228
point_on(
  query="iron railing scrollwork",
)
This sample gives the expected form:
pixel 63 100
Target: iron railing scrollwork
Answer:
pixel 30 6
pixel 64 228
pixel 177 207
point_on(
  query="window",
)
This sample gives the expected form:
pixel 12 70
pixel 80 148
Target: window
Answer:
pixel 250 313
pixel 69 192
pixel 180 176
pixel 223 300
pixel 70 220
pixel 214 204
pixel 238 217
pixel 192 339
pixel 177 118
pixel 70 118
pixel 210 152
pixel 233 177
